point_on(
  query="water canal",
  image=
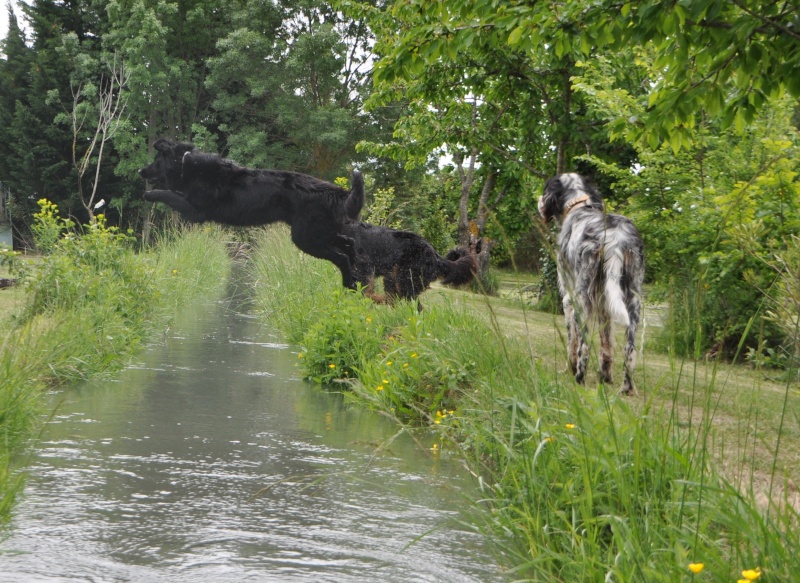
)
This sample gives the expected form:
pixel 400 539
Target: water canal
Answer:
pixel 209 460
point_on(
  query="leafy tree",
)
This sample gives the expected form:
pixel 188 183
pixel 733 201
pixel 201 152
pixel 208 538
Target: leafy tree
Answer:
pixel 289 84
pixel 15 81
pixel 36 152
pixel 508 116
pixel 723 58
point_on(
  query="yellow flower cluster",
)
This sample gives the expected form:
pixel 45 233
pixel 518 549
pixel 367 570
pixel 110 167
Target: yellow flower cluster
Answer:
pixel 748 574
pixel 440 416
pixel 47 208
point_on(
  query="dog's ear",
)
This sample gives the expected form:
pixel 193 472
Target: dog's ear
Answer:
pixel 163 145
pixel 554 187
pixel 551 200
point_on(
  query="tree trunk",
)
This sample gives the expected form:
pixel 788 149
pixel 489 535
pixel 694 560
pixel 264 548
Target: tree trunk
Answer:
pixel 467 180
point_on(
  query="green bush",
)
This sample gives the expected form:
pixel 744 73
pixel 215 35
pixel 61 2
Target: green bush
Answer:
pixel 713 218
pixel 94 268
pixel 345 332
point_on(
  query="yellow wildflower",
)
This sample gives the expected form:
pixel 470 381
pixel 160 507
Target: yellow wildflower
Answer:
pixel 696 567
pixel 379 388
pixel 385 382
pixel 413 355
pixel 389 363
pixel 752 574
pixel 369 319
pixel 300 355
pixel 549 439
pixel 331 366
pixel 572 426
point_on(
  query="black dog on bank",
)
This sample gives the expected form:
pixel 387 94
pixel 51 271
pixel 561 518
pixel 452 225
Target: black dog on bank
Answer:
pixel 205 187
pixel 406 261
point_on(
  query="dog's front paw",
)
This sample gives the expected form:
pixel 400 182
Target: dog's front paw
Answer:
pixel 148 196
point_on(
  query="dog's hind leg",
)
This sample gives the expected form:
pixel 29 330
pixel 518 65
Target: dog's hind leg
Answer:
pixel 604 374
pixel 581 312
pixel 634 305
pixel 328 247
pixel 572 334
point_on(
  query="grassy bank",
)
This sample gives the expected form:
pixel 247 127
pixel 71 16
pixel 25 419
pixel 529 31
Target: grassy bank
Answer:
pixel 579 485
pixel 83 309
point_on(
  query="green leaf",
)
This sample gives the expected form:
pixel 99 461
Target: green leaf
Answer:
pixel 586 45
pixel 559 47
pixel 516 35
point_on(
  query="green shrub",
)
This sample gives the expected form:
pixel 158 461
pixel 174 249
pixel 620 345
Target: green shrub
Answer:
pixel 345 332
pixel 48 226
pixel 94 268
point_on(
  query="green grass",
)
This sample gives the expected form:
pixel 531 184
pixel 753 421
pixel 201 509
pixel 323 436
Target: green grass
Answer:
pixel 579 484
pixel 83 309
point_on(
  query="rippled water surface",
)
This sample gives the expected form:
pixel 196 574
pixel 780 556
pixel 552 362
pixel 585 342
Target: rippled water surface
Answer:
pixel 209 460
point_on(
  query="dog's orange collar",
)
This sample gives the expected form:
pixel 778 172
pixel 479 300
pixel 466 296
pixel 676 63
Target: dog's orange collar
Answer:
pixel 574 203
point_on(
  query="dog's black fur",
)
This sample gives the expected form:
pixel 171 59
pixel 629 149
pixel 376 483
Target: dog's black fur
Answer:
pixel 205 187
pixel 600 272
pixel 406 261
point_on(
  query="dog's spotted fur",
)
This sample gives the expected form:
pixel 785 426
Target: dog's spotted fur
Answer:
pixel 600 272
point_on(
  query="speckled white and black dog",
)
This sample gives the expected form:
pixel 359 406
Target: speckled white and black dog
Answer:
pixel 600 272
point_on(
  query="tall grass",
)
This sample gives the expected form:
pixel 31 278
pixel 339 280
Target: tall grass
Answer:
pixel 579 485
pixel 90 303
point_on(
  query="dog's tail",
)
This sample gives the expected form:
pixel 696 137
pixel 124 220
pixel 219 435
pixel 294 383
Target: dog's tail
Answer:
pixel 355 200
pixel 615 298
pixel 457 267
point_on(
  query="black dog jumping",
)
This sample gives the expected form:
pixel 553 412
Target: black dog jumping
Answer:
pixel 205 187
pixel 406 261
